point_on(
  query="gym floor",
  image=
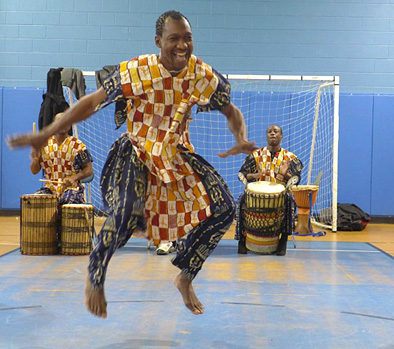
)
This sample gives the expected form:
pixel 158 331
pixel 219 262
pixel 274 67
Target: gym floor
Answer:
pixel 327 292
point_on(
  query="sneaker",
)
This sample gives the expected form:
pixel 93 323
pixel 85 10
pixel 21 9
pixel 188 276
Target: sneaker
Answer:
pixel 165 247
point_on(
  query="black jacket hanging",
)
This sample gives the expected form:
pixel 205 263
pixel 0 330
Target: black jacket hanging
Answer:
pixel 53 101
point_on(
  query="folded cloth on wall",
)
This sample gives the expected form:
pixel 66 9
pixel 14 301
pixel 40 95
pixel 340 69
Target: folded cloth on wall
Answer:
pixel 74 79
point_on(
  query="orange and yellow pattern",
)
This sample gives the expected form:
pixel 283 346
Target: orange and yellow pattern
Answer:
pixel 57 162
pixel 176 200
pixel 265 161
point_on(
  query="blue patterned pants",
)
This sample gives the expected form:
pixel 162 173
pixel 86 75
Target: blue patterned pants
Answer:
pixel 123 186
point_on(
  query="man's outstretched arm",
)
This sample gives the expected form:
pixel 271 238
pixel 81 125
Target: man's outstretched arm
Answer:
pixel 82 110
pixel 236 124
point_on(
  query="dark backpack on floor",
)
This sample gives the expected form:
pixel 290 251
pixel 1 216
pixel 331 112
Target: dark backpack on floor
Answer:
pixel 351 218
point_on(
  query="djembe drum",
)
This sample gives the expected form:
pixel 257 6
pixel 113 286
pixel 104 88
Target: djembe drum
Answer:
pixel 39 224
pixel 262 213
pixel 305 197
pixel 77 226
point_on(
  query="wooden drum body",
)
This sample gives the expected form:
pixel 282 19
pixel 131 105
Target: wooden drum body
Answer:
pixel 77 226
pixel 39 224
pixel 262 216
pixel 302 198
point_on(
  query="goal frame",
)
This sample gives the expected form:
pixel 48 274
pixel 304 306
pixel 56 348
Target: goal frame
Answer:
pixel 326 81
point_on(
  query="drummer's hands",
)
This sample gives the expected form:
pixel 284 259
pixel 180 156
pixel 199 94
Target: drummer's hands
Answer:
pixel 34 154
pixel 244 147
pixel 251 176
pixel 35 140
pixel 69 182
pixel 284 167
pixel 259 175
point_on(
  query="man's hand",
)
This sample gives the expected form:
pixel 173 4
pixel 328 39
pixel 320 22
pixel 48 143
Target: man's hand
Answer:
pixel 284 167
pixel 69 182
pixel 35 140
pixel 251 176
pixel 82 110
pixel 236 125
pixel 34 154
pixel 244 147
pixel 35 166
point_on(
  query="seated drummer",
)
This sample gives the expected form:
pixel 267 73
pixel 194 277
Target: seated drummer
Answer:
pixel 273 164
pixel 65 161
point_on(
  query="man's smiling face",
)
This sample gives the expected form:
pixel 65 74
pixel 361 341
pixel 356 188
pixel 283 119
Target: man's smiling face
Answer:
pixel 176 44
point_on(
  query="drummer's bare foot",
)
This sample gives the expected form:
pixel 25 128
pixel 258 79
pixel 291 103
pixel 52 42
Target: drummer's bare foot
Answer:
pixel 95 300
pixel 184 285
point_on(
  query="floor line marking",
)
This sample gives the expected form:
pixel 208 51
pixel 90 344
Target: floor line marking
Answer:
pixel 54 290
pixel 7 253
pixel 147 301
pixel 325 250
pixel 27 307
pixel 367 315
pixel 258 304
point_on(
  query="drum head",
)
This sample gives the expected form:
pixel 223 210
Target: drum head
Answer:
pixel 35 196
pixel 264 187
pixel 80 206
pixel 304 187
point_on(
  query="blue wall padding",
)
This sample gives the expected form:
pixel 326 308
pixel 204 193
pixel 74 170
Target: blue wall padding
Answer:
pixel 1 143
pixel 382 189
pixel 20 109
pixel 365 142
pixel 355 150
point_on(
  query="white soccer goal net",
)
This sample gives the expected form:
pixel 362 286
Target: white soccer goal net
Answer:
pixel 305 107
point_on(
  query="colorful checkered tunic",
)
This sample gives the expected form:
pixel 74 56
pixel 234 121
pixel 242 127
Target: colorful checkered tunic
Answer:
pixel 185 138
pixel 262 159
pixel 176 200
pixel 265 161
pixel 59 162
pixel 160 104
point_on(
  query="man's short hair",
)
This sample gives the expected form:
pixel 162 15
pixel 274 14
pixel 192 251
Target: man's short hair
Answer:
pixel 280 128
pixel 169 14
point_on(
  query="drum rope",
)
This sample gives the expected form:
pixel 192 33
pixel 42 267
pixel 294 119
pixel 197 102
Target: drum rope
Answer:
pixel 93 233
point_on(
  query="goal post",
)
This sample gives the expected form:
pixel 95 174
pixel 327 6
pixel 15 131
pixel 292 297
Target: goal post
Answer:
pixel 306 107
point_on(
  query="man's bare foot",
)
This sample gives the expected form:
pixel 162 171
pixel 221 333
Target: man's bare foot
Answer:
pixel 184 285
pixel 95 300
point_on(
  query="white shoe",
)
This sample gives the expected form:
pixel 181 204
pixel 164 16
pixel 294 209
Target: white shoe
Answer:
pixel 165 247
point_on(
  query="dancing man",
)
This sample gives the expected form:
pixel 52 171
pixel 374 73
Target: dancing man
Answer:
pixel 150 181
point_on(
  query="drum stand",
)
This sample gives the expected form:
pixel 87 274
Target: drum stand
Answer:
pixel 292 181
pixel 304 224
pixel 294 241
